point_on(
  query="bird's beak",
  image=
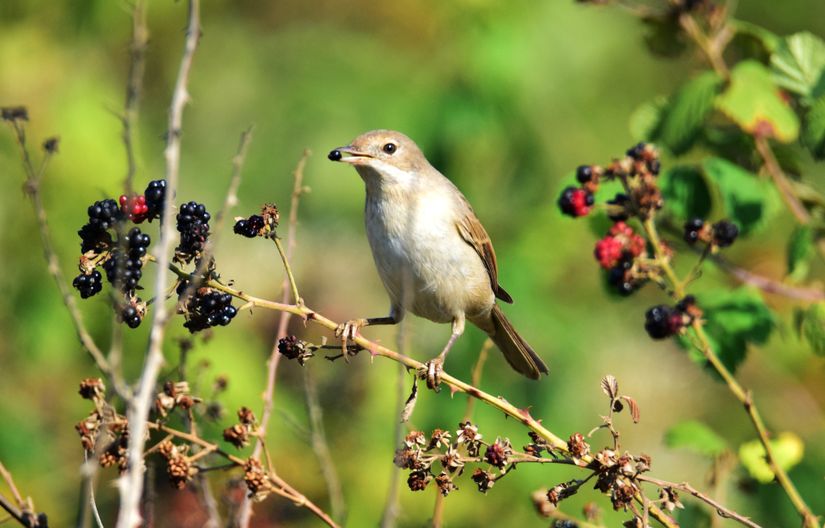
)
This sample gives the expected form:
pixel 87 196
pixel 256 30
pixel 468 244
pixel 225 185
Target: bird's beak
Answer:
pixel 349 155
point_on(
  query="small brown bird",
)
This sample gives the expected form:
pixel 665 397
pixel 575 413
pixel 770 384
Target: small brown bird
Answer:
pixel 431 251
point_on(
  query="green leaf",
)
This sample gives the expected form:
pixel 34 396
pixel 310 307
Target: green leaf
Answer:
pixel 813 130
pixel 733 320
pixel 746 199
pixel 812 327
pixel 799 62
pixel 753 102
pixel 686 192
pixel 687 111
pixel 696 437
pixel 787 448
pixel 800 251
pixel 645 119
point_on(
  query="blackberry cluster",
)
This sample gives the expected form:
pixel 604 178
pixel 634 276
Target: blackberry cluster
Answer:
pixel 618 253
pixel 88 285
pixel 94 235
pixel 721 234
pixel 123 267
pixel 207 308
pixel 249 227
pixel 664 321
pixel 193 226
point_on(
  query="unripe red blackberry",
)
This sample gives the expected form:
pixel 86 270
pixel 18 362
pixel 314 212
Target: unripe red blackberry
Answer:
pixel 575 202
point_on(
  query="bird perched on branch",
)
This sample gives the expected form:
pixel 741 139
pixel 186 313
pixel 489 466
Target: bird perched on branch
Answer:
pixel 431 251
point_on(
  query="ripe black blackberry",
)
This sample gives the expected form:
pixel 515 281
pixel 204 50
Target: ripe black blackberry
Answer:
pixel 155 193
pixel 249 227
pixel 131 316
pixel 88 285
pixel 693 230
pixel 193 226
pixel 662 321
pixel 104 214
pixel 621 278
pixel 584 173
pixel 619 208
pixel 123 267
pixel 94 239
pixel 724 233
pixel 207 308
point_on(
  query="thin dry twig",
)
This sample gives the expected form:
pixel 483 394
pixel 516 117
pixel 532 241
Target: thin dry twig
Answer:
pixel 32 189
pixel 244 513
pixel 131 482
pixel 134 88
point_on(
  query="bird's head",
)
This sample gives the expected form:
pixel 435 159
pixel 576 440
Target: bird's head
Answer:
pixel 387 155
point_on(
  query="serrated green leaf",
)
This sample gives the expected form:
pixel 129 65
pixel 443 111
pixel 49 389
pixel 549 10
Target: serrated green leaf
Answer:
pixel 644 120
pixel 799 63
pixel 745 198
pixel 753 102
pixel 696 437
pixel 686 112
pixel 787 448
pixel 800 251
pixel 686 192
pixel 812 327
pixel 733 320
pixel 813 129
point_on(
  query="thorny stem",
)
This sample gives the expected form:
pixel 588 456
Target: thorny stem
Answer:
pixel 131 482
pixel 744 396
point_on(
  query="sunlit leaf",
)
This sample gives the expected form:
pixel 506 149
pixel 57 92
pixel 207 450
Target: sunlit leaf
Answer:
pixel 696 437
pixel 753 101
pixel 787 448
pixel 799 62
pixel 686 112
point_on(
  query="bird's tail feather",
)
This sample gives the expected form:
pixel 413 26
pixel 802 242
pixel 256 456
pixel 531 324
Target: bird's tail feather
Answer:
pixel 516 351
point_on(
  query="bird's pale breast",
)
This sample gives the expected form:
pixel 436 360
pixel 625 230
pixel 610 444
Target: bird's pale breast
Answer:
pixel 446 277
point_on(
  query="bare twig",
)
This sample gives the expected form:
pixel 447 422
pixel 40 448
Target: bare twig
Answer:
pixel 389 515
pixel 244 512
pixel 321 448
pixel 23 512
pixel 131 483
pixel 134 88
pixel 773 168
pixel 32 189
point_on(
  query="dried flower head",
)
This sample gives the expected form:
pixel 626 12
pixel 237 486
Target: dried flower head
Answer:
pixel 237 435
pixel 257 482
pixel 418 480
pixel 483 479
pixel 445 483
pixel 498 453
pixel 92 388
pixel 577 446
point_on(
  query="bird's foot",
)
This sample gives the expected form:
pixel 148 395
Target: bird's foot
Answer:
pixel 347 332
pixel 431 371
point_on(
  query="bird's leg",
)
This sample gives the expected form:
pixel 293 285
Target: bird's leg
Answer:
pixel 436 365
pixel 347 331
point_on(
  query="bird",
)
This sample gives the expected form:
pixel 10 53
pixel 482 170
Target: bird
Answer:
pixel 431 252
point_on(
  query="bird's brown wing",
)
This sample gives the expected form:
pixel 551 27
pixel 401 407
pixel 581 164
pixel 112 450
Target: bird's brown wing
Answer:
pixel 474 234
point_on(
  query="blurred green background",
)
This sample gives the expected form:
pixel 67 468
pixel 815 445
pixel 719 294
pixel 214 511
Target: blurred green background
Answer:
pixel 506 99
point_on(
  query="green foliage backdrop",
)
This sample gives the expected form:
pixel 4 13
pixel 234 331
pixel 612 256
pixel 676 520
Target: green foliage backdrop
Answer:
pixel 506 99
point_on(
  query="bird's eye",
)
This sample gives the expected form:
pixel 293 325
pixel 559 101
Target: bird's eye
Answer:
pixel 389 148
